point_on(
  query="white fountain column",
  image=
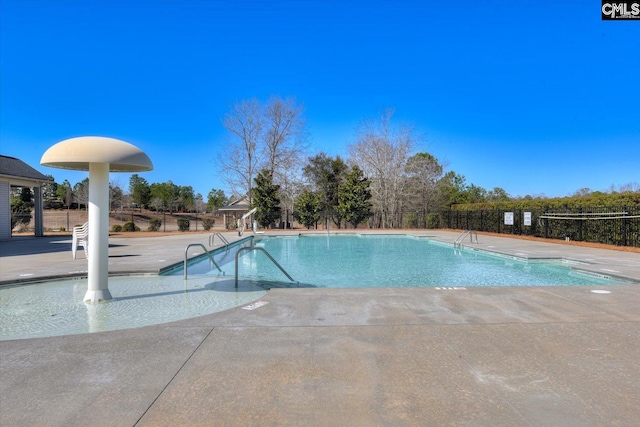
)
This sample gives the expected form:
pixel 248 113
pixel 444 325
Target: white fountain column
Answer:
pixel 98 289
pixel 99 155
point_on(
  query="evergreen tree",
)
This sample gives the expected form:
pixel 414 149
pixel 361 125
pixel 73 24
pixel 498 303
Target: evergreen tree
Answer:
pixel 139 190
pixel 167 192
pixel 186 198
pixel 49 196
pixel 308 208
pixel 215 200
pixel 20 212
pixel 353 197
pixel 265 198
pixel 26 195
pixel 325 175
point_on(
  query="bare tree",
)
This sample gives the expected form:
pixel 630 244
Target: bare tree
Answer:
pixel 584 191
pixel 285 141
pixel 115 195
pixel 272 136
pixel 199 204
pixel 81 191
pixel 285 136
pixel 630 187
pixel 240 159
pixel 381 151
pixel 291 185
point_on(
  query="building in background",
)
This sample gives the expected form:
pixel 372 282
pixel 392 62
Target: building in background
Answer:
pixel 16 173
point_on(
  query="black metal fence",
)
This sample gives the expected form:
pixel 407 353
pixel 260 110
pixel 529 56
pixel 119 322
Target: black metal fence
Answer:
pixel 55 221
pixel 612 226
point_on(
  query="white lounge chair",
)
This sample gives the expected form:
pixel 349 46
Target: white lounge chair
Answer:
pixel 80 237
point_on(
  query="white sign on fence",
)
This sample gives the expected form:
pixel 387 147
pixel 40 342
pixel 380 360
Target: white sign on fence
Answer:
pixel 527 218
pixel 508 218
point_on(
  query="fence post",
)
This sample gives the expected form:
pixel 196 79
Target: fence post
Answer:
pixel 546 223
pixel 624 227
pixel 580 225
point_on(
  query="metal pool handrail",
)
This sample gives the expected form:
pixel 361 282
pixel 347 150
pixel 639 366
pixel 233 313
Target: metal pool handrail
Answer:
pixel 460 238
pixel 254 248
pixel 212 240
pixel 208 254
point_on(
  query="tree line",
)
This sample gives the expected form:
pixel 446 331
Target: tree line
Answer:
pixel 267 146
pixel 266 158
pixel 158 196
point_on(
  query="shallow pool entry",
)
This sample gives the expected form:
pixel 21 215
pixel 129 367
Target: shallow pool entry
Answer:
pixel 56 308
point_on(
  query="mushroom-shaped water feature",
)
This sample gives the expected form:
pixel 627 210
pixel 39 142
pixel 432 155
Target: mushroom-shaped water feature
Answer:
pixel 99 156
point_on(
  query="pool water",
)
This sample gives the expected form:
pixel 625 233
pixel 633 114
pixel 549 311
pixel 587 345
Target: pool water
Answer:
pixel 352 261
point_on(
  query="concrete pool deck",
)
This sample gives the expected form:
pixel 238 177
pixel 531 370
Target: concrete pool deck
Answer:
pixel 333 357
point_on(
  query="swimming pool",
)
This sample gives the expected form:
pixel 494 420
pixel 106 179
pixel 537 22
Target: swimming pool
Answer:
pixel 348 261
pixel 55 308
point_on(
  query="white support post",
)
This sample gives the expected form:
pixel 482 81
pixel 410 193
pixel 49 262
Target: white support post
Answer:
pixel 98 289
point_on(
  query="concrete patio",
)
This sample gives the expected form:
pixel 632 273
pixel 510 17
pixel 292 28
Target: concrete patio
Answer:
pixel 536 356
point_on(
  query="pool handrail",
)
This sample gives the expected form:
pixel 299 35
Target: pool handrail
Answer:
pixel 208 254
pixel 212 240
pixel 256 248
pixel 470 233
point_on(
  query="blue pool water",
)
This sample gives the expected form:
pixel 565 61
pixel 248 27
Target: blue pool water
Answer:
pixel 340 261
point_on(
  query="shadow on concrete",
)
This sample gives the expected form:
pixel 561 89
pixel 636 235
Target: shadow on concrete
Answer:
pixel 31 245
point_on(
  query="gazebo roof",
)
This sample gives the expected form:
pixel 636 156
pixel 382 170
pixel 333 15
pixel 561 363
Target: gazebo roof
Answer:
pixel 240 205
pixel 15 169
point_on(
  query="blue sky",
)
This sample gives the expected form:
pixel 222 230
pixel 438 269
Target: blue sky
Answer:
pixel 536 97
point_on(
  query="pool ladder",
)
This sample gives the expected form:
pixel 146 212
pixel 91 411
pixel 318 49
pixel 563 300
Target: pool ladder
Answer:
pixel 212 240
pixel 208 254
pixel 470 233
pixel 255 248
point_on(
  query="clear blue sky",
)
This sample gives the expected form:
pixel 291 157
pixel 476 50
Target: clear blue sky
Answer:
pixel 536 97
